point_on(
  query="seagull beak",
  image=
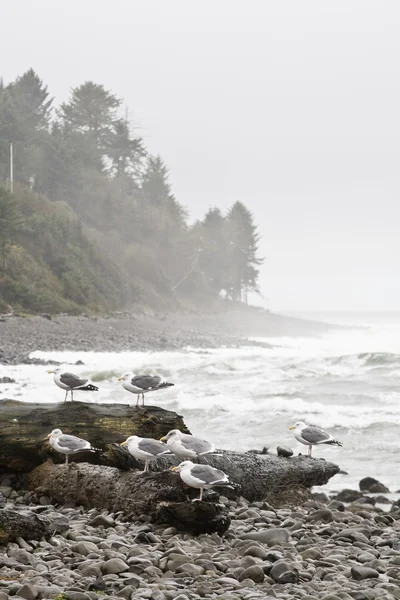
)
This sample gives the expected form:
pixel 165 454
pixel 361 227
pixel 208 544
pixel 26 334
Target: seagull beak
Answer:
pixel 125 443
pixel 50 372
pixel 48 436
pixel 121 378
pixel 292 427
pixel 163 439
pixel 176 469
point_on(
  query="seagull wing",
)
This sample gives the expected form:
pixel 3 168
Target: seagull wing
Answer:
pixel 146 382
pixel 70 442
pixel 314 435
pixel 153 447
pixel 209 475
pixel 190 442
pixel 72 381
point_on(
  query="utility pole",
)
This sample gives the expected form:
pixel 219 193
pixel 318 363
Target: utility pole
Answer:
pixel 11 168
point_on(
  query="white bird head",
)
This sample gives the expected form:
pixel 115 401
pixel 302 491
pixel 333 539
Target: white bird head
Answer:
pixel 174 433
pixel 125 376
pixel 186 464
pixel 54 371
pixel 55 432
pixel 131 438
pixel 298 426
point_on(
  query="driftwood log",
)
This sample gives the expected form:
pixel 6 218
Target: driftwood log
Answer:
pixel 24 427
pixel 160 497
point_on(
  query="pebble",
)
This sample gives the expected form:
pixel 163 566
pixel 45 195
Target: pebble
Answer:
pixel 323 550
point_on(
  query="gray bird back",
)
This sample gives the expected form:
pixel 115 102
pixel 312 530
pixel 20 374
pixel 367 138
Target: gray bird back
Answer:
pixel 146 382
pixel 153 447
pixel 196 444
pixel 72 381
pixel 208 474
pixel 314 435
pixel 71 442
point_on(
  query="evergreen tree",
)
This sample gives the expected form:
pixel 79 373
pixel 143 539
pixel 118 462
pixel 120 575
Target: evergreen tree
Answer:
pixel 91 111
pixel 9 223
pixel 124 151
pixel 243 247
pixel 214 259
pixel 25 111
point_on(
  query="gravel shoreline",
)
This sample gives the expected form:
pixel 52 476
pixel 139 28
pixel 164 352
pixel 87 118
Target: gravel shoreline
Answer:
pixel 320 551
pixel 19 336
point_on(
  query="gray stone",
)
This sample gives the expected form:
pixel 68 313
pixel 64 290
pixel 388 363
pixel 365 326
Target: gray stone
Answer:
pixel 256 551
pixel 194 570
pixel 102 520
pixel 270 537
pixel 372 485
pixel 29 592
pixel 4 596
pixel 323 514
pixel 359 572
pixel 255 573
pixel 74 595
pixel 114 566
pixel 284 451
pixel 126 592
pixel 133 580
pixel 85 548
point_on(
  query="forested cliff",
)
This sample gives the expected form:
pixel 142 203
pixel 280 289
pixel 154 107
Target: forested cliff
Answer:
pixel 90 222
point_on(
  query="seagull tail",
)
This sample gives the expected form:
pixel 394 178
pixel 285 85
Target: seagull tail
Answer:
pixel 333 442
pixel 89 388
pixel 164 384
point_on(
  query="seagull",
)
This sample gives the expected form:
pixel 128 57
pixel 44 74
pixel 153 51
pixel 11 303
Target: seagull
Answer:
pixel 145 449
pixel 185 445
pixel 202 476
pixel 142 384
pixel 312 436
pixel 68 444
pixel 71 382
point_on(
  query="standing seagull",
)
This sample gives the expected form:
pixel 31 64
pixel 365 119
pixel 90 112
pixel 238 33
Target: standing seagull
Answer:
pixel 185 445
pixel 71 382
pixel 68 444
pixel 312 436
pixel 145 449
pixel 142 384
pixel 202 476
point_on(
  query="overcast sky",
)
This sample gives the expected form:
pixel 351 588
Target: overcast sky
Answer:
pixel 289 106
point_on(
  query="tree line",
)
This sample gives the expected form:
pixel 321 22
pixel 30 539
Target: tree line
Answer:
pixel 86 158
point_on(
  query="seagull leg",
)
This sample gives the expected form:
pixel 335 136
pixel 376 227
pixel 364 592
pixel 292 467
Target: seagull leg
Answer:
pixel 137 399
pixel 201 494
pixel 66 459
pixel 309 450
pixel 142 399
pixel 146 466
pixel 66 396
pixel 72 395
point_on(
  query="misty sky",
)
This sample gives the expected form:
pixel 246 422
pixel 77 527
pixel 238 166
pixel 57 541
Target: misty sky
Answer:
pixel 289 106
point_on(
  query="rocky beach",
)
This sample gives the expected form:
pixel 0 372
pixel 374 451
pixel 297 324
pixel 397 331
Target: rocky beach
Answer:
pixel 62 541
pixel 322 550
pixel 140 332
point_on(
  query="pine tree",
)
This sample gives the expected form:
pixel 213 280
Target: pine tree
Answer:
pixel 124 151
pixel 9 222
pixel 214 250
pixel 243 247
pixel 91 111
pixel 25 111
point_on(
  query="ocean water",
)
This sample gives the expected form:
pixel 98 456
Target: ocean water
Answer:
pixel 346 381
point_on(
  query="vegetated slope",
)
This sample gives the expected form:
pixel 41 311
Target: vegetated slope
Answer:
pixel 51 266
pixel 94 224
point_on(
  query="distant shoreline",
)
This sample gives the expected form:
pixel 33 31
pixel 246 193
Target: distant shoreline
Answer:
pixel 128 332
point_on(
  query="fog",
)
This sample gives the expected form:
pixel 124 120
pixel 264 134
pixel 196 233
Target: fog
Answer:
pixel 291 107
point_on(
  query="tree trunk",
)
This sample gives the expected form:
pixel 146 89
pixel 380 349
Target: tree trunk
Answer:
pixel 24 427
